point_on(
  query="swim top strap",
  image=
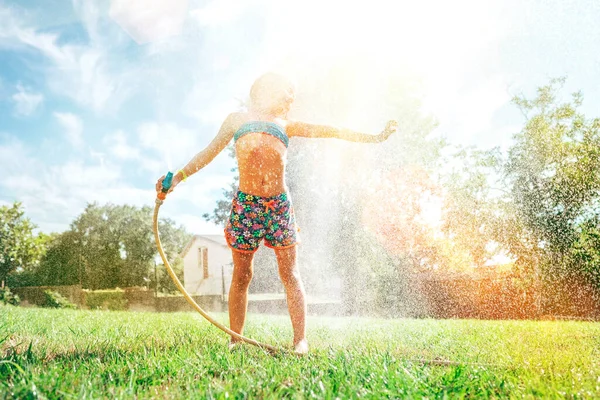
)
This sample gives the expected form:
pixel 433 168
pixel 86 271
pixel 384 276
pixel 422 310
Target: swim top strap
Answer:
pixel 270 128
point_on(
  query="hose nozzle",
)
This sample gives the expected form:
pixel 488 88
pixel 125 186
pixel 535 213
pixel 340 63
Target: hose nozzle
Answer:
pixel 166 185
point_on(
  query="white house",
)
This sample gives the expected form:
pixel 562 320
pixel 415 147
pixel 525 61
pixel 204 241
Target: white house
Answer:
pixel 207 265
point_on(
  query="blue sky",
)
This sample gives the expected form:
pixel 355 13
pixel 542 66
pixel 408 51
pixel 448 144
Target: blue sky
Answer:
pixel 97 101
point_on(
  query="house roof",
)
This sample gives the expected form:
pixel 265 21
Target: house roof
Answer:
pixel 217 239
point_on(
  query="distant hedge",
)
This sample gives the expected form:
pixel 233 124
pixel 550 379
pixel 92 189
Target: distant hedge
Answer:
pixel 56 300
pixel 113 299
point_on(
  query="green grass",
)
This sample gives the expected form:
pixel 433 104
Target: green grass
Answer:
pixel 97 354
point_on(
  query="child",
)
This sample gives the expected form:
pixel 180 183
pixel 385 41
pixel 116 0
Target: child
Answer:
pixel 262 207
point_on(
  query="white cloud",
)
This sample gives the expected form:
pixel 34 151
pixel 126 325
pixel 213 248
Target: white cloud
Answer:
pixel 98 155
pixel 151 165
pixel 118 146
pixel 55 195
pixel 83 72
pixel 26 101
pixel 73 128
pixel 202 103
pixel 171 142
pixel 197 225
pixel 218 12
pixel 12 156
pixel 149 20
pixel 198 193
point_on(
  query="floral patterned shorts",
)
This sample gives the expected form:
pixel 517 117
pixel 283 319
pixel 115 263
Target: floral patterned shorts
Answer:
pixel 253 218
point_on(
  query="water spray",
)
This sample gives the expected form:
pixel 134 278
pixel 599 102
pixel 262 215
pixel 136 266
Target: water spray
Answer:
pixel 166 186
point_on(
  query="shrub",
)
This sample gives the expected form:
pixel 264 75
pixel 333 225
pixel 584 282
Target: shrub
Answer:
pixel 113 299
pixel 8 297
pixel 56 300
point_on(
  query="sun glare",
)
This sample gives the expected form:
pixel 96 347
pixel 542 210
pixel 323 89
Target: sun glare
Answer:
pixel 432 41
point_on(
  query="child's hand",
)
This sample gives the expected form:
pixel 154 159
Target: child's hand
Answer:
pixel 390 127
pixel 159 186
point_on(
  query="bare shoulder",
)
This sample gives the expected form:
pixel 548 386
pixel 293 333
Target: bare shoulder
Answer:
pixel 235 120
pixel 297 128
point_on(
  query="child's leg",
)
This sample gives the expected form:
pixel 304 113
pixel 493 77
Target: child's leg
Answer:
pixel 238 292
pixel 294 289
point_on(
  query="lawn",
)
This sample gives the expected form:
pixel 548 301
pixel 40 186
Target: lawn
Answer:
pixel 99 354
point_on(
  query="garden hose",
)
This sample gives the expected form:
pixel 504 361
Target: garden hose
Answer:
pixel 159 201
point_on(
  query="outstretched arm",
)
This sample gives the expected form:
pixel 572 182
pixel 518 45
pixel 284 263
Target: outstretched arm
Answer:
pixel 303 129
pixel 204 157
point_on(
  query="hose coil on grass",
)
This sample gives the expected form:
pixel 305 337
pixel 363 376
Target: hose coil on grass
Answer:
pixel 190 300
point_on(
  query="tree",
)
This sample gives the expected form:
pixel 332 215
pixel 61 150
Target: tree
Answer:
pixel 61 264
pixel 552 172
pixel 398 212
pixel 19 247
pixel 109 246
pixel 474 202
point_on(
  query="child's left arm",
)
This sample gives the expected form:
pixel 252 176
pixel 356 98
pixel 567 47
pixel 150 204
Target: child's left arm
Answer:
pixel 303 129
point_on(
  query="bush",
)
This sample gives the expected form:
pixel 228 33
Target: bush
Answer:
pixel 56 300
pixel 8 297
pixel 106 299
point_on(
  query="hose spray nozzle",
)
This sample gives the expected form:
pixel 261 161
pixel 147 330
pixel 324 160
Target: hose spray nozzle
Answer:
pixel 167 182
pixel 166 185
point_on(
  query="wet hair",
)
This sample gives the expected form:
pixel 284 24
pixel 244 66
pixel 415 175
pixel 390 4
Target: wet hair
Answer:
pixel 272 91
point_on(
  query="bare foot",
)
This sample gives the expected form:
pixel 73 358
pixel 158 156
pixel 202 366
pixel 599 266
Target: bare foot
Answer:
pixel 301 348
pixel 234 345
